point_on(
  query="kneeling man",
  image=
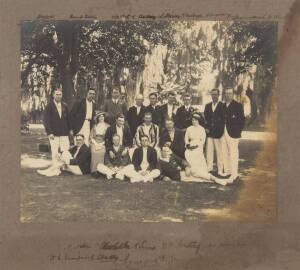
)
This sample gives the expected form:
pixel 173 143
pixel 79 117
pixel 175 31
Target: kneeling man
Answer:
pixel 116 161
pixel 144 160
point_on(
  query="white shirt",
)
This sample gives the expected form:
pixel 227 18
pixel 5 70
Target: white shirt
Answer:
pixel 116 148
pixel 115 101
pixel 77 151
pixel 170 110
pixel 187 108
pixel 89 110
pixel 214 106
pixel 144 164
pixel 138 109
pixel 58 107
pixel 172 134
pixel 120 133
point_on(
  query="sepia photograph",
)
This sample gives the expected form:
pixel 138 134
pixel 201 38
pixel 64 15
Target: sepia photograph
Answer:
pixel 148 121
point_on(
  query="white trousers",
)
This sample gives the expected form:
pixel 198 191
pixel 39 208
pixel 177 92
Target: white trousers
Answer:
pixel 138 177
pixel 61 143
pixel 85 131
pixel 214 145
pixel 120 171
pixel 230 148
pixel 74 169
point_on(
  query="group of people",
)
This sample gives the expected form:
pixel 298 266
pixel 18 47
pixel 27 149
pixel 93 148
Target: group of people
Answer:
pixel 145 143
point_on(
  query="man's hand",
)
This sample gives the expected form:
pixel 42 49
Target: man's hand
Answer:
pixel 111 154
pixel 124 153
pixel 143 173
pixel 51 137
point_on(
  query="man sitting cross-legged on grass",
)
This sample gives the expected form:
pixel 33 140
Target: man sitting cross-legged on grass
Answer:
pixel 116 161
pixel 172 167
pixel 144 160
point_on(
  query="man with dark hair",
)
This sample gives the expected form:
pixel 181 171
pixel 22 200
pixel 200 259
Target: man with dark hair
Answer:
pixel 171 166
pixel 116 165
pixel 82 115
pixel 135 114
pixel 149 129
pixel 154 109
pixel 114 107
pixel 234 124
pixel 122 130
pixel 57 124
pixel 174 136
pixel 214 114
pixel 168 110
pixel 183 118
pixel 144 160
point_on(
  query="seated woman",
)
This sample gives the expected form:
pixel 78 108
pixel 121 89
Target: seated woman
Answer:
pixel 97 141
pixel 194 140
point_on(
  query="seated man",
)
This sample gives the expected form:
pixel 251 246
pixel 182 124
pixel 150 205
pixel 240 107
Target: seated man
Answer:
pixel 77 160
pixel 116 161
pixel 144 160
pixel 171 166
pixel 149 129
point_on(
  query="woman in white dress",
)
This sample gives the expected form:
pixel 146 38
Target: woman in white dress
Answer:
pixel 97 141
pixel 194 140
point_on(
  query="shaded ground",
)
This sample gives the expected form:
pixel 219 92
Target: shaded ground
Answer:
pixel 82 198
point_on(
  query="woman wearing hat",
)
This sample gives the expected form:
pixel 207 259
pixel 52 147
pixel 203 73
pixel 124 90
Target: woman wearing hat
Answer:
pixel 194 140
pixel 97 141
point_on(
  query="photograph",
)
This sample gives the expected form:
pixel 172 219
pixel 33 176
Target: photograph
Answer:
pixel 148 121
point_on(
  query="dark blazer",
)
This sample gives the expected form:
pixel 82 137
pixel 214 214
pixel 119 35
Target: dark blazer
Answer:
pixel 172 168
pixel 137 158
pixel 119 160
pixel 183 118
pixel 177 145
pixel 53 123
pixel 77 115
pixel 113 110
pixel 164 114
pixel 156 114
pixel 215 121
pixel 134 120
pixel 83 158
pixel 234 119
pixel 127 138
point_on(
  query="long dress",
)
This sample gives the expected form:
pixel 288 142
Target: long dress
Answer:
pixel 195 136
pixel 97 144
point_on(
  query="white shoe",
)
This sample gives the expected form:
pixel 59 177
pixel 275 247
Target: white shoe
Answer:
pixel 232 178
pixel 222 182
pixel 119 176
pixel 148 180
pixel 109 177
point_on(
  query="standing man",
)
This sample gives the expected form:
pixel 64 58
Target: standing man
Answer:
pixel 173 136
pixel 135 114
pixel 234 124
pixel 184 113
pixel 154 108
pixel 122 130
pixel 57 124
pixel 168 110
pixel 114 107
pixel 82 115
pixel 214 114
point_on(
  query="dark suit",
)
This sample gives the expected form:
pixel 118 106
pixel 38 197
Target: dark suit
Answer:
pixel 119 160
pixel 215 120
pixel 113 110
pixel 134 120
pixel 58 126
pixel 83 158
pixel 183 118
pixel 177 145
pixel 172 167
pixel 234 119
pixel 156 114
pixel 137 158
pixel 164 114
pixel 127 138
pixel 78 114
